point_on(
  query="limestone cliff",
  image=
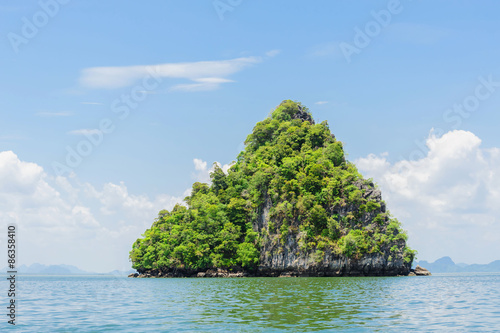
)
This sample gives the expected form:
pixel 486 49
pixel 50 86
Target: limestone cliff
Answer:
pixel 291 205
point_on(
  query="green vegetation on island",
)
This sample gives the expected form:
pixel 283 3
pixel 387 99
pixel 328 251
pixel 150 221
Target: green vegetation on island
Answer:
pixel 290 190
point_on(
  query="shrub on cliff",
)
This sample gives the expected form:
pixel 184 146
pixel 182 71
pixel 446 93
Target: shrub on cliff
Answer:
pixel 296 168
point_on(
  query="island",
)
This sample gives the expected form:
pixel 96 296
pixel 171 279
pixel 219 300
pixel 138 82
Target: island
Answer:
pixel 290 205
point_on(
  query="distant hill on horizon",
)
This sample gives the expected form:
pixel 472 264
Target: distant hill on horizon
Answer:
pixel 446 265
pixel 441 265
pixel 40 269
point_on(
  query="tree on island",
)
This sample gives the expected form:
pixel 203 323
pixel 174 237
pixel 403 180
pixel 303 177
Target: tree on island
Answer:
pixel 291 203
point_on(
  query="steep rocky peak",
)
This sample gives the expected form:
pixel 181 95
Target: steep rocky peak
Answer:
pixel 288 110
pixel 302 114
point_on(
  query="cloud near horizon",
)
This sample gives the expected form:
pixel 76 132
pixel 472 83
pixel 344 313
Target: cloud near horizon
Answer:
pixel 447 200
pixel 202 173
pixel 205 75
pixel 63 221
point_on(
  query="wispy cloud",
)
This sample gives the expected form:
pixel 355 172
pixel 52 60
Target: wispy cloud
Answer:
pixel 203 172
pixel 150 92
pixel 92 103
pixel 209 83
pixel 205 74
pixel 84 131
pixel 54 114
pixel 273 53
pixel 321 102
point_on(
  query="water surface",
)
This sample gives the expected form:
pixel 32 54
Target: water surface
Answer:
pixel 442 302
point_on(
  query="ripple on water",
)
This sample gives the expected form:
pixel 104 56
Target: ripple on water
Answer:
pixel 453 302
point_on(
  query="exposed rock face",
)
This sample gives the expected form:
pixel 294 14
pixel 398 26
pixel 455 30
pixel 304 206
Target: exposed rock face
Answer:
pixel 290 265
pixel 332 265
pixel 301 209
pixel 419 271
pixel 303 115
pixel 289 259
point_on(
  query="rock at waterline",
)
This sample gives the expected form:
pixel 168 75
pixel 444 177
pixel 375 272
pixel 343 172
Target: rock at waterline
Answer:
pixel 419 271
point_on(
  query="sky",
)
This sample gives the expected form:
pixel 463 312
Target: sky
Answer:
pixel 110 110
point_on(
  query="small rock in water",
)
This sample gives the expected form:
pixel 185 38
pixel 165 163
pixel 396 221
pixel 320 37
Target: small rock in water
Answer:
pixel 419 271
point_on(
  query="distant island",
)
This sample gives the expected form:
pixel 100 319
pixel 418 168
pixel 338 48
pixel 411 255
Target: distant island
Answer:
pixel 446 265
pixel 39 269
pixel 442 265
pixel 291 205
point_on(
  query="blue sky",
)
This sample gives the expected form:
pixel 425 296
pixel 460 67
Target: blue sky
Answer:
pixel 198 76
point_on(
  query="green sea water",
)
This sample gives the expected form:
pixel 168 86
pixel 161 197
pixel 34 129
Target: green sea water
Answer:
pixel 440 303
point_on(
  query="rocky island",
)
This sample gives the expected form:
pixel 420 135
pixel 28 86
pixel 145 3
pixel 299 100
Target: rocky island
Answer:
pixel 291 205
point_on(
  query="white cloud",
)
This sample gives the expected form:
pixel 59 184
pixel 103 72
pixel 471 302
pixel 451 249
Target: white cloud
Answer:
pixel 273 53
pixel 63 221
pixel 149 92
pixel 448 200
pixel 203 84
pixel 321 102
pixel 115 198
pixel 199 164
pixel 205 74
pixel 85 131
pixel 203 172
pixel 17 176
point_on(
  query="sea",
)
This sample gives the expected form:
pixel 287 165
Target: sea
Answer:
pixel 461 302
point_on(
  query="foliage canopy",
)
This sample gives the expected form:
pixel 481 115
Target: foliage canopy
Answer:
pixel 315 195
